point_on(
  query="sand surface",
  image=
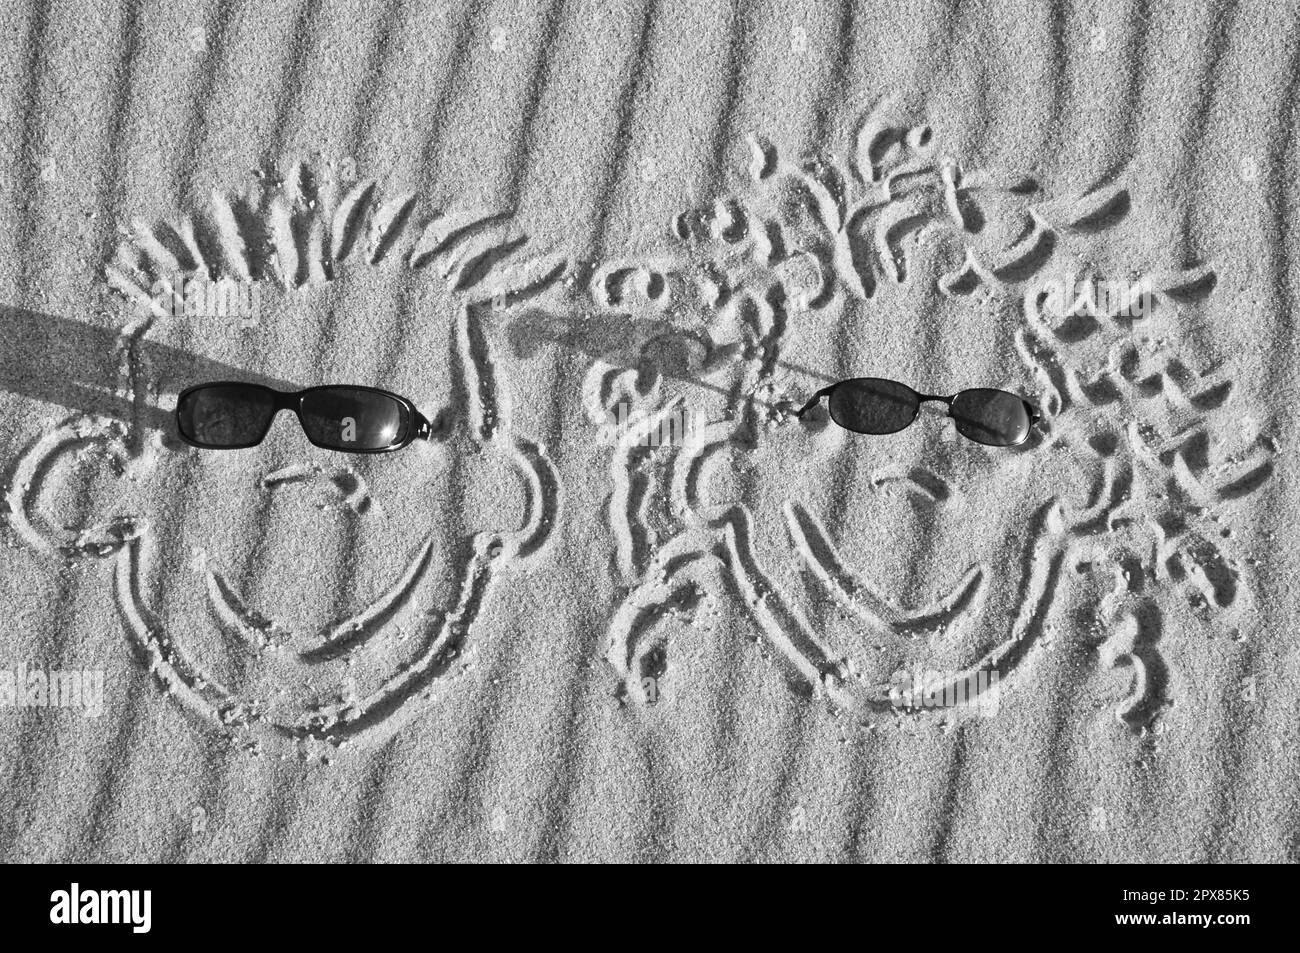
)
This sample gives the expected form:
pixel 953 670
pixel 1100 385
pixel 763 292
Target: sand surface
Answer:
pixel 626 606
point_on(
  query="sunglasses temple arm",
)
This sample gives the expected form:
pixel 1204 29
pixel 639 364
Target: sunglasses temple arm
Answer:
pixel 813 401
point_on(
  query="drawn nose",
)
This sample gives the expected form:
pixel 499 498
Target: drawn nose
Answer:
pixel 337 488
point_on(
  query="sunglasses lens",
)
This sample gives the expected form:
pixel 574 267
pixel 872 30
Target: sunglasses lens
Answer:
pixel 873 405
pixel 991 417
pixel 348 418
pixel 225 415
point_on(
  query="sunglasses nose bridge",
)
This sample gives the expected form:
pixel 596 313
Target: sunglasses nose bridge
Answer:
pixel 925 403
pixel 935 398
pixel 272 417
pixel 288 400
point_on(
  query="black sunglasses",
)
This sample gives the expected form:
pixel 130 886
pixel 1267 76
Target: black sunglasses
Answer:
pixel 875 405
pixel 229 415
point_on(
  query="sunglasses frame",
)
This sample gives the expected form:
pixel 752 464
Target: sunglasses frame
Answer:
pixel 1031 409
pixel 419 427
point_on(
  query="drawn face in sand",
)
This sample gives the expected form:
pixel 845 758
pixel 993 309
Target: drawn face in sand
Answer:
pixel 285 592
pixel 904 573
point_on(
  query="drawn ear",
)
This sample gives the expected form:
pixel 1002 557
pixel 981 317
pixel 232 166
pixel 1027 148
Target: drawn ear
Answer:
pixel 70 446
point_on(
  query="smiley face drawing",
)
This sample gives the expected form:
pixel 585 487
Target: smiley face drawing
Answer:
pixel 1109 521
pixel 285 594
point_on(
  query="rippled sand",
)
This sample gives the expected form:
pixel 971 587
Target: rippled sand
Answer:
pixel 626 606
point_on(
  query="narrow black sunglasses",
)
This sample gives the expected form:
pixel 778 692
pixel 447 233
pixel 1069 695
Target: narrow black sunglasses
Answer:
pixel 874 405
pixel 229 415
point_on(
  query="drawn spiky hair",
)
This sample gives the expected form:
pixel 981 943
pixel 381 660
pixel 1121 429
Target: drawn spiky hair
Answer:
pixel 297 231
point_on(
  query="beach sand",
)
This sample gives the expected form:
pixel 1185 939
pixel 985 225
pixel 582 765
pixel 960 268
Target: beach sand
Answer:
pixel 626 606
